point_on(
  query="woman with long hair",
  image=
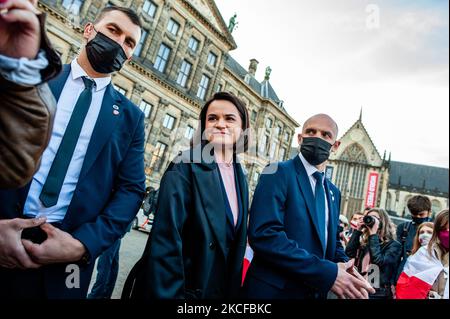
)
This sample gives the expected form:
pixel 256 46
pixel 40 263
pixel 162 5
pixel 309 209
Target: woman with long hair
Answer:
pixel 376 251
pixel 423 236
pixel 198 239
pixel 425 275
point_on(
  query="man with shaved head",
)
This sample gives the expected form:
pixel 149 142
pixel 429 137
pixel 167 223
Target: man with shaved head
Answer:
pixel 293 226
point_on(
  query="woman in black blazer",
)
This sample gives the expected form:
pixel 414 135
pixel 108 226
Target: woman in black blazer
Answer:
pixel 198 239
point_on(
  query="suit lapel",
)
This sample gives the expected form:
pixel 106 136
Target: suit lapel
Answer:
pixel 208 183
pixel 57 84
pixel 243 188
pixel 103 129
pixel 305 188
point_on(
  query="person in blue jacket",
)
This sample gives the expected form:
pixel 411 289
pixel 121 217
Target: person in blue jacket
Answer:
pixel 293 226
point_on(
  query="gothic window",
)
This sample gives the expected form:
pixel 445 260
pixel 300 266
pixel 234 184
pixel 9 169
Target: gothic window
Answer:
pixel 354 154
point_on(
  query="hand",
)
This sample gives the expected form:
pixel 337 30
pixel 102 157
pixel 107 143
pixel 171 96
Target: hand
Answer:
pixel 12 252
pixel 59 247
pixel 374 229
pixel 349 284
pixel 20 30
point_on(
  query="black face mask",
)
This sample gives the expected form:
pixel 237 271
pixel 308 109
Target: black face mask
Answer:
pixel 105 54
pixel 315 150
pixel 418 220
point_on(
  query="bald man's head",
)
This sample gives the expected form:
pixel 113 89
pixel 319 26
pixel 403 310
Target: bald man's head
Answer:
pixel 324 122
pixel 320 126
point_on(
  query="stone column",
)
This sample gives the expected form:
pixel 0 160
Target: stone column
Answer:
pixel 180 52
pixel 158 33
pixel 200 68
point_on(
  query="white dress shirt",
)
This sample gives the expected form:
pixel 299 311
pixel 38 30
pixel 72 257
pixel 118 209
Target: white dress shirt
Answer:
pixel 66 103
pixel 310 170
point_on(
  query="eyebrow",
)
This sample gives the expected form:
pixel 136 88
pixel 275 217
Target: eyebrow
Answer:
pixel 231 114
pixel 112 24
pixel 313 129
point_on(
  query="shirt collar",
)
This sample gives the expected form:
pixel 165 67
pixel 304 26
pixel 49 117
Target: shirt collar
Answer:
pixel 78 72
pixel 310 169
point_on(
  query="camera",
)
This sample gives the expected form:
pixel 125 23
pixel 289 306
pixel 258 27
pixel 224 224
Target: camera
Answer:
pixel 369 221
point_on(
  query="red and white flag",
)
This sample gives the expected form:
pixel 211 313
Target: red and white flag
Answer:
pixel 420 272
pixel 247 260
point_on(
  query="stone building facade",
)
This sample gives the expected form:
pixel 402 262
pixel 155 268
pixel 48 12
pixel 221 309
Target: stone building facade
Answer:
pixel 182 59
pixel 367 179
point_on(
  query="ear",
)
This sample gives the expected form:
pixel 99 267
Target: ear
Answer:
pixel 335 146
pixel 300 139
pixel 88 29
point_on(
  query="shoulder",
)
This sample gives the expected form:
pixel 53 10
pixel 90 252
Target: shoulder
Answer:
pixel 181 164
pixel 394 244
pixel 279 168
pixel 127 105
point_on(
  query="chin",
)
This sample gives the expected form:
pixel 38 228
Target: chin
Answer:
pixel 221 142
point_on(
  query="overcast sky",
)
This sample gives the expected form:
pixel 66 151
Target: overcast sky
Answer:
pixel 335 57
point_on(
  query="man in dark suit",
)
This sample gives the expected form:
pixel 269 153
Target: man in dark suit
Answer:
pixel 293 226
pixel 91 180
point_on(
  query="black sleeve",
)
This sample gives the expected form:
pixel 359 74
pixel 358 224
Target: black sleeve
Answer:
pixel 390 256
pixel 166 278
pixel 353 245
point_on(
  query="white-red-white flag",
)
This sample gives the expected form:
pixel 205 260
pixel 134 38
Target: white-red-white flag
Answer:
pixel 247 261
pixel 420 272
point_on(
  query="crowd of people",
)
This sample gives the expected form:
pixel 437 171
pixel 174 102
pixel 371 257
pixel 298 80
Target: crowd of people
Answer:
pixel 403 255
pixel 72 181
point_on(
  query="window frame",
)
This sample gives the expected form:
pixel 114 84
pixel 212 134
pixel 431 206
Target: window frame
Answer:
pixel 145 108
pixel 171 24
pixel 193 39
pixel 160 60
pixel 151 4
pixel 182 73
pixel 202 88
pixel 170 120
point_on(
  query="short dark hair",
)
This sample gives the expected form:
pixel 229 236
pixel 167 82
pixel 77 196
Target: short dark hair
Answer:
pixel 418 204
pixel 243 112
pixel 131 14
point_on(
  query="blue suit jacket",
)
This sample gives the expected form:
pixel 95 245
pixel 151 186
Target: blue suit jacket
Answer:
pixel 110 188
pixel 290 260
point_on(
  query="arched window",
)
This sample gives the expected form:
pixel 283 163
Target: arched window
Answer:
pixel 354 154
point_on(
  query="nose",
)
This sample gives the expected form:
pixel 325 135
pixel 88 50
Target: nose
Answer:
pixel 220 124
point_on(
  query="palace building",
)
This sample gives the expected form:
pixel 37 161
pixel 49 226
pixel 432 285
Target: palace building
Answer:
pixel 183 58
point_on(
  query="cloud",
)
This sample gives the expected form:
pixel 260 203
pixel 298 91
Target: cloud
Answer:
pixel 325 59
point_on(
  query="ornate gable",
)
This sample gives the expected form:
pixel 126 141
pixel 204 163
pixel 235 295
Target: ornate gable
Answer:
pixel 357 146
pixel 209 12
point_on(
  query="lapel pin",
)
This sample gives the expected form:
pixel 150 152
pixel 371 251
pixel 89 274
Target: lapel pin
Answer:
pixel 115 107
pixel 115 112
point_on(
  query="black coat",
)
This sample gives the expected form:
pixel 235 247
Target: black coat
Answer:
pixel 186 256
pixel 385 255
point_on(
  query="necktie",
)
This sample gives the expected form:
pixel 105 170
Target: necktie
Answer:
pixel 320 203
pixel 58 170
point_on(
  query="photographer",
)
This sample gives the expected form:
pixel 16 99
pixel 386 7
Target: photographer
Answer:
pixel 373 243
